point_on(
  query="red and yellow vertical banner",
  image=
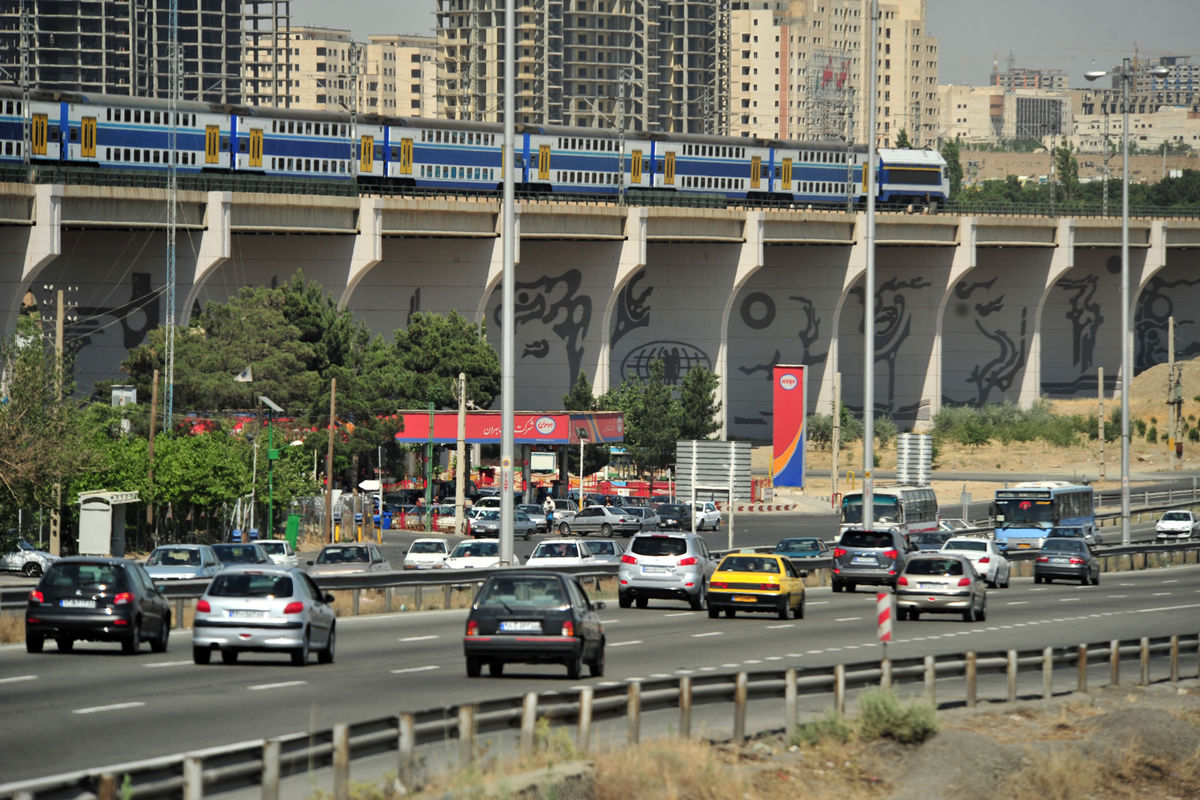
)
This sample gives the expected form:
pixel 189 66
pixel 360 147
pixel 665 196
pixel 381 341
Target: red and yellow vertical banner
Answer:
pixel 789 393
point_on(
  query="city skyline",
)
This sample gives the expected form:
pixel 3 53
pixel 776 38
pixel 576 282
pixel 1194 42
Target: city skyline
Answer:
pixel 1069 35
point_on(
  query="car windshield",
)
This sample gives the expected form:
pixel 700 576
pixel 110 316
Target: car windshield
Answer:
pixel 556 550
pixel 1063 545
pixel 749 564
pixel 233 552
pixel 934 566
pixel 427 547
pixel 528 592
pixel 966 544
pixel 250 584
pixel 173 556
pixel 866 539
pixel 489 515
pixel 602 548
pixel 1078 532
pixel 797 544
pixel 1177 516
pixel 672 510
pixel 343 555
pixel 273 547
pixel 658 546
pixel 469 549
pixel 99 575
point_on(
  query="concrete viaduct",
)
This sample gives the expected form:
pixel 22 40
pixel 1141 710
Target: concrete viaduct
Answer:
pixel 969 310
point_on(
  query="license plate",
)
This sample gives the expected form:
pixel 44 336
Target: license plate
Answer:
pixel 1023 546
pixel 242 613
pixel 655 570
pixel 1058 560
pixel 863 560
pixel 929 585
pixel 520 626
pixel 744 598
pixel 74 602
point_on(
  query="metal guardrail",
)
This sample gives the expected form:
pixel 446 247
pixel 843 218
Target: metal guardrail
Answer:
pixel 264 762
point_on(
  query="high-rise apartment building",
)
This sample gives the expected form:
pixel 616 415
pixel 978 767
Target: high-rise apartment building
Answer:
pixel 399 76
pixel 123 46
pixel 796 70
pixel 655 65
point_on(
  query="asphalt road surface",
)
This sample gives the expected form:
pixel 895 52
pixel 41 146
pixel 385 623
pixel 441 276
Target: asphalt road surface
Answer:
pixel 96 707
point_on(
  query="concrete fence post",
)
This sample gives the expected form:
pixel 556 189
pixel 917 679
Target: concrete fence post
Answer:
pixel 1047 673
pixel 466 735
pixel 417 597
pixel 341 761
pixel 1081 681
pixel 406 747
pixel 971 670
pixel 106 787
pixel 1174 658
pixel 446 590
pixel 178 613
pixel 791 709
pixel 740 692
pixel 1144 655
pixel 272 749
pixel 583 735
pixel 356 597
pixel 930 681
pixel 1114 662
pixel 839 689
pixel 885 674
pixel 193 778
pixel 1010 670
pixel 633 712
pixel 529 710
pixel 685 706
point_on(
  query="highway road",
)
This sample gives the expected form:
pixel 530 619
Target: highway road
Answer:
pixel 95 707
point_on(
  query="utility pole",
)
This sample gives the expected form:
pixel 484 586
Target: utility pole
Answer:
pixel 1100 416
pixel 329 463
pixel 460 456
pixel 836 440
pixel 150 475
pixel 56 509
pixel 1174 397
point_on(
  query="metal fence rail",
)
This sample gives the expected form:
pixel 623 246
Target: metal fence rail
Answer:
pixel 265 762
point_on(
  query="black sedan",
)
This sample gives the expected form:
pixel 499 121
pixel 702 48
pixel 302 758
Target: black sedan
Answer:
pixel 533 618
pixel 97 599
pixel 1066 558
pixel 674 516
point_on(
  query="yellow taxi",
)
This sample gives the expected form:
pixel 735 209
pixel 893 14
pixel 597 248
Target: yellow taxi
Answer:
pixel 751 581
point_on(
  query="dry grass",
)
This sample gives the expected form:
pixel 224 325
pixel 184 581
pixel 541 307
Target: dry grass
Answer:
pixel 12 627
pixel 1063 772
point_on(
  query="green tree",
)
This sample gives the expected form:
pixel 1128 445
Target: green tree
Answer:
pixel 1067 169
pixel 581 398
pixel 902 141
pixel 954 171
pixel 699 408
pixel 431 352
pixel 651 418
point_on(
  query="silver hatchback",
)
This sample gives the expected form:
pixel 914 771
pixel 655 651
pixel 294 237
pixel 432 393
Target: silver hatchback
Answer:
pixel 263 608
pixel 673 566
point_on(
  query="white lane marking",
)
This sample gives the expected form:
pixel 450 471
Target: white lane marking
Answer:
pixel 685 672
pixel 166 664
pixel 1121 596
pixel 814 652
pixel 1160 594
pixel 774 658
pixel 113 707
pixel 847 619
pixel 795 655
pixel 601 683
pixel 816 602
pixel 1071 600
pixel 281 685
pixel 609 621
pixel 418 638
pixel 679 614
pixel 1126 584
pixel 1166 608
pixel 414 669
pixel 623 644
pixel 17 678
pixel 1172 580
pixel 777 627
pixel 667 674
pixel 1017 603
pixel 730 666
pixel 708 669
pixel 752 661
pixel 710 633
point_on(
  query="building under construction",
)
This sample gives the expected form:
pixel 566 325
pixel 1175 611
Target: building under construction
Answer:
pixel 123 47
pixel 627 64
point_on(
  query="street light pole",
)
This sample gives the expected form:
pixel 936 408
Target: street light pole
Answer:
pixel 272 457
pixel 1125 74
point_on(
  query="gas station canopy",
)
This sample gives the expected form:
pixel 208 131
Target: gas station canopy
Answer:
pixel 529 427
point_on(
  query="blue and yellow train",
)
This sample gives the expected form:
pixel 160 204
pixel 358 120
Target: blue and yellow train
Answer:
pixel 395 154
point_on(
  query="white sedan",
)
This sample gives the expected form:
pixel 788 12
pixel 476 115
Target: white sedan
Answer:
pixel 985 556
pixel 560 553
pixel 1177 525
pixel 477 554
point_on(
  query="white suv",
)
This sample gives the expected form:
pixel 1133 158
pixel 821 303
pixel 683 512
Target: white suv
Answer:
pixel 673 566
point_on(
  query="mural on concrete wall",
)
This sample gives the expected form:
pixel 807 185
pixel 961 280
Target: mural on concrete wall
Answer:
pixel 678 359
pixel 1078 336
pixel 998 374
pixel 633 307
pixel 557 303
pixel 1162 298
pixel 893 326
pixel 1083 311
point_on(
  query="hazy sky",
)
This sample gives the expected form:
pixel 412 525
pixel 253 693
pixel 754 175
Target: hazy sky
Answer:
pixel 1051 34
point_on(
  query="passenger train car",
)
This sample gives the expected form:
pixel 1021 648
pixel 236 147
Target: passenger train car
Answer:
pixel 395 154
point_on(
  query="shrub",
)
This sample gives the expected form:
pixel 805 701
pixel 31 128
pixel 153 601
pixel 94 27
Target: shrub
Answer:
pixel 883 716
pixel 885 431
pixel 831 727
pixel 1139 427
pixel 1152 434
pixel 820 430
pixel 1194 435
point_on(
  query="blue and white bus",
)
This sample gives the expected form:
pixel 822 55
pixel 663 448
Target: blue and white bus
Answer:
pixel 907 509
pixel 1026 511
